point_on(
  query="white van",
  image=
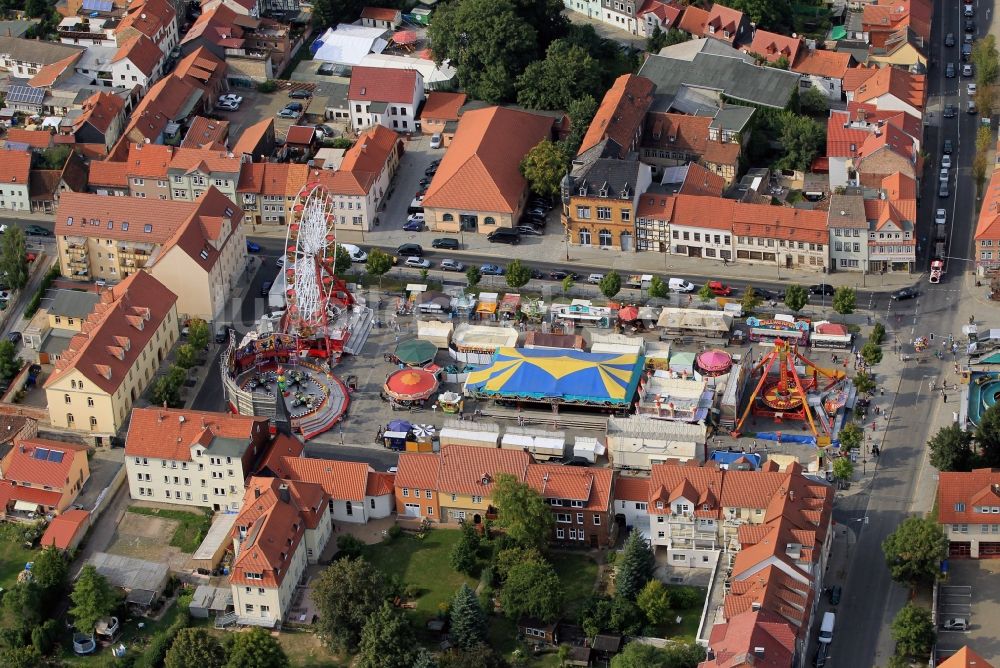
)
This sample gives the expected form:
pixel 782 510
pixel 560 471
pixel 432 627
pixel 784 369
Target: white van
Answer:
pixel 680 285
pixel 826 628
pixel 357 255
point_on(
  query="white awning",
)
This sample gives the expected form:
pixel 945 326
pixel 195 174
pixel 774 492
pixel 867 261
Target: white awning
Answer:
pixel 26 506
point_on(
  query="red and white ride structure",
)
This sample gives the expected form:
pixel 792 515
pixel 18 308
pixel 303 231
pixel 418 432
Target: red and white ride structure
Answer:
pixel 314 296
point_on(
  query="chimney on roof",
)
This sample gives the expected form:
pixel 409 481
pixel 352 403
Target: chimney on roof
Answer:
pixel 180 418
pixel 284 494
pixel 791 495
pixel 256 492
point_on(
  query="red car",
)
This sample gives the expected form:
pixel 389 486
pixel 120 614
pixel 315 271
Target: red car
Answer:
pixel 719 289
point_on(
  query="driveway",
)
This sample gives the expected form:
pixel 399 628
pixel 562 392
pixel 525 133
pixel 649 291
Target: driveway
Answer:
pixel 972 592
pixel 257 106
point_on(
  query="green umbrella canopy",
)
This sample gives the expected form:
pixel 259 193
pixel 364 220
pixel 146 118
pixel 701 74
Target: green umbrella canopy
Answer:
pixel 415 351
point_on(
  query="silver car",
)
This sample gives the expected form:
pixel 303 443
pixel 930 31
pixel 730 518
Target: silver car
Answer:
pixel 452 265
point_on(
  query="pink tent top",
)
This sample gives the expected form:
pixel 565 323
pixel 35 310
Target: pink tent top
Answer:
pixel 831 328
pixel 715 360
pixel 405 37
pixel 628 313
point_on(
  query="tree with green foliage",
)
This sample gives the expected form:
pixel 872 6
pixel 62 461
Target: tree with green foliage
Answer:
pixel 195 647
pixel 626 617
pixel 167 388
pixel 532 589
pixel 544 167
pixel 750 300
pixel 24 607
pixel 843 469
pixel 845 300
pixel 851 436
pixel 913 631
pixel 347 593
pixel 45 637
pixel 342 261
pixel 14 257
pixel 802 139
pixel 987 436
pixel 567 284
pixel 656 41
pixel 464 556
pixel 951 449
pixel 50 572
pixel 566 73
pixel 878 334
pixel 864 382
pixel 387 640
pixel 186 356
pixel 610 285
pixel 814 102
pixel 198 334
pixel 473 276
pixel 983 136
pixel 796 297
pixel 523 513
pixel 674 655
pixel 10 363
pixel 489 42
pixel 20 657
pixel 658 288
pixel 468 622
pixel 256 649
pixel 705 294
pixel 913 552
pixel 767 14
pixel 93 598
pixel 480 656
pixel 654 601
pixel 986 61
pixel 508 557
pixel 634 567
pixel 36 9
pixel 517 274
pixel 581 113
pixel 871 354
pixel 378 264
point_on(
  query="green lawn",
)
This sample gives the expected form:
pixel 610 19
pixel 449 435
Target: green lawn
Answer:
pixel 578 574
pixel 13 556
pixel 133 637
pixel 423 562
pixel 191 530
pixel 688 628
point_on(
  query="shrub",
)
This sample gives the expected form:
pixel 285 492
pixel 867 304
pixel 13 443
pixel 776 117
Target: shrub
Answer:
pixel 267 86
pixel 349 547
pixel 395 531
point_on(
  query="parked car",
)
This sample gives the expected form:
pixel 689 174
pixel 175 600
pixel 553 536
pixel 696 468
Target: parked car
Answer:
pixel 947 147
pixel 955 624
pixel 680 285
pixel 944 174
pixel 968 10
pixel 431 170
pixel 835 592
pixel 452 265
pixel 504 236
pixel 946 162
pixel 940 217
pixel 417 262
pixel 231 97
pixel 769 295
pixel 300 94
pixel 970 26
pixel 326 130
pixel 966 70
pixel 943 189
pixel 410 250
pixel 327 69
pixel 950 111
pixel 294 106
pixel 288 113
pixel 280 262
pixel 970 107
pixel 530 230
pixel 491 270
pixel 38 231
pixel 595 279
pixel 414 225
pixel 435 140
pixel 227 106
pixel 821 289
pixel 970 88
pixel 14 337
pixel 446 242
pixel 949 39
pixel 719 289
pixel 559 275
pixel 252 247
pixel 903 294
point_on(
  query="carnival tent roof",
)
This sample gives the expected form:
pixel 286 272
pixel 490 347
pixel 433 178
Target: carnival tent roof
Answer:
pixel 416 351
pixel 570 375
pixel 411 384
pixel 628 314
pixel 714 360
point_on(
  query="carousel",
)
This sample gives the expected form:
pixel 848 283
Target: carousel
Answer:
pixel 714 363
pixel 414 352
pixel 409 388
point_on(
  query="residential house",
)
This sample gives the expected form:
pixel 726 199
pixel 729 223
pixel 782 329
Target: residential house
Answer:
pixel 385 96
pixel 440 114
pixel 655 14
pixel 718 22
pixel 194 458
pixel 100 120
pixel 715 142
pixel 19 139
pixel 23 58
pixel 750 638
pixel 886 151
pixel 965 658
pixel 888 89
pixel 892 218
pixel 478 186
pixel 455 485
pixel 621 14
pixel 41 476
pixel 283 526
pixel 620 117
pixel 864 144
pixel 256 140
pixel 197 249
pixel 848 231
pixel 987 237
pixel 381 17
pixel 589 8
pixel 15 181
pixel 701 227
pixel 357 493
pixel 968 508
pixel 156 19
pixel 788 237
pixel 267 190
pixel 137 62
pixel 903 48
pixel 631 502
pixel 106 177
pixel 191 172
pixel 824 71
pixel 46 185
pixel 580 500
pixel 51 329
pixel 882 21
pixel 110 362
pixel 300 141
pixel 600 198
pixel 776 49
pixel 207 133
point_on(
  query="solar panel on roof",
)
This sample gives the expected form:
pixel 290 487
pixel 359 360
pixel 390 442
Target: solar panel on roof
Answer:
pixel 41 453
pixel 97 5
pixel 25 94
pixel 56 456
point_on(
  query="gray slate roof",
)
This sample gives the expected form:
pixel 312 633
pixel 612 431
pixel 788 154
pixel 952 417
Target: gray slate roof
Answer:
pixel 611 173
pixel 73 303
pixel 736 78
pixel 36 51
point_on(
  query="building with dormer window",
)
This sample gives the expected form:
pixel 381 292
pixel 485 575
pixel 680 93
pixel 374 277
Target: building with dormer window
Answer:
pixel 580 500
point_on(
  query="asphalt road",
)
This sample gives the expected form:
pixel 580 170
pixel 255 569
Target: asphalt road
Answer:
pixel 871 600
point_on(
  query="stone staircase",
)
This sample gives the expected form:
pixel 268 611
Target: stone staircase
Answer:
pixel 360 327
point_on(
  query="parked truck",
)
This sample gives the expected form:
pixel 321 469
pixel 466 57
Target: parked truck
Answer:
pixel 639 281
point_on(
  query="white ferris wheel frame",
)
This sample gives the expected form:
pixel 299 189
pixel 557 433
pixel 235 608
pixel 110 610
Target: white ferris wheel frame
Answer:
pixel 315 248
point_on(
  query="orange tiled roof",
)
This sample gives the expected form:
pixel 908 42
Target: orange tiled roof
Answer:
pixel 205 133
pixel 142 52
pixel 592 485
pixel 300 135
pixel 380 13
pixel 170 433
pixel 64 527
pixel 772 47
pixel 464 469
pixel 773 590
pixel 965 658
pixel 107 173
pixel 340 479
pixel 189 160
pixel 382 84
pixel 148 17
pixel 700 485
pixel 31 461
pixel 621 113
pixel 907 87
pixel 631 488
pixel 42 497
pixel 829 64
pixel 988 226
pixel 34 138
pixel 131 216
pixel 968 490
pixel 702 181
pixel 49 74
pixel 481 169
pixel 379 483
pixel 100 110
pixel 371 151
pixel 724 18
pixel 133 310
pixel 780 222
pixel 417 470
pixel 15 167
pixel 705 212
pixel 694 21
pixel 252 136
pixel 668 13
pixel 442 106
pixel 740 636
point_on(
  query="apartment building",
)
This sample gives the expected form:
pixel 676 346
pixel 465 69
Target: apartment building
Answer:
pixel 15 181
pixel 108 365
pixel 41 476
pixel 987 237
pixel 385 96
pixel 600 200
pixel 193 458
pixel 969 512
pixel 580 500
pixel 848 226
pixel 23 58
pixel 283 526
pixel 618 122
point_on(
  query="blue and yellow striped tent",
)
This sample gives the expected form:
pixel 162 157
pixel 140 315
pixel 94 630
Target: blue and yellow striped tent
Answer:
pixel 569 375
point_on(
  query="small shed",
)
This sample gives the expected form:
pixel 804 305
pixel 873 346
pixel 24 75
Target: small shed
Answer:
pixel 588 448
pixel 208 555
pixel 210 601
pixel 536 631
pixel 435 331
pixel 579 656
pixel 143 581
pixel 606 645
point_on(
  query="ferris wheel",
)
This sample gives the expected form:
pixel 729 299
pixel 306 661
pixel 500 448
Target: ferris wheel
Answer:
pixel 310 250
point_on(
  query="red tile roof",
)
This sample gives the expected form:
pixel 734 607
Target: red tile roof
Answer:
pixel 190 160
pixel 417 470
pixel 772 47
pixel 473 470
pixel 252 136
pixel 205 133
pixel 142 52
pixel 77 211
pixel 379 483
pixel 668 13
pixel 300 135
pixel 621 113
pixel 441 106
pixel 33 138
pixel 380 13
pixel 968 490
pixel 740 636
pixel 704 212
pixel 819 63
pixel 15 167
pixel 100 110
pixel 694 21
pixel 49 74
pixel 370 152
pixel 631 488
pixel 901 84
pixel 988 226
pixel 31 461
pixel 481 169
pixel 555 481
pixel 346 481
pixel 170 433
pixel 699 485
pixel 132 310
pixel 10 493
pixel 856 76
pixel 965 658
pixel 702 181
pixel 773 590
pixel 723 19
pixel 868 113
pixel 780 222
pixel 382 84
pixel 64 528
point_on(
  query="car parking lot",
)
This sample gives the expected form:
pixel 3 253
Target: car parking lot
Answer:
pixel 257 106
pixel 972 593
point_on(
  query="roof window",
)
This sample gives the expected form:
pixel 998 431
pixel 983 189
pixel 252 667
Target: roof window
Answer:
pixel 125 227
pixel 147 228
pixel 69 221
